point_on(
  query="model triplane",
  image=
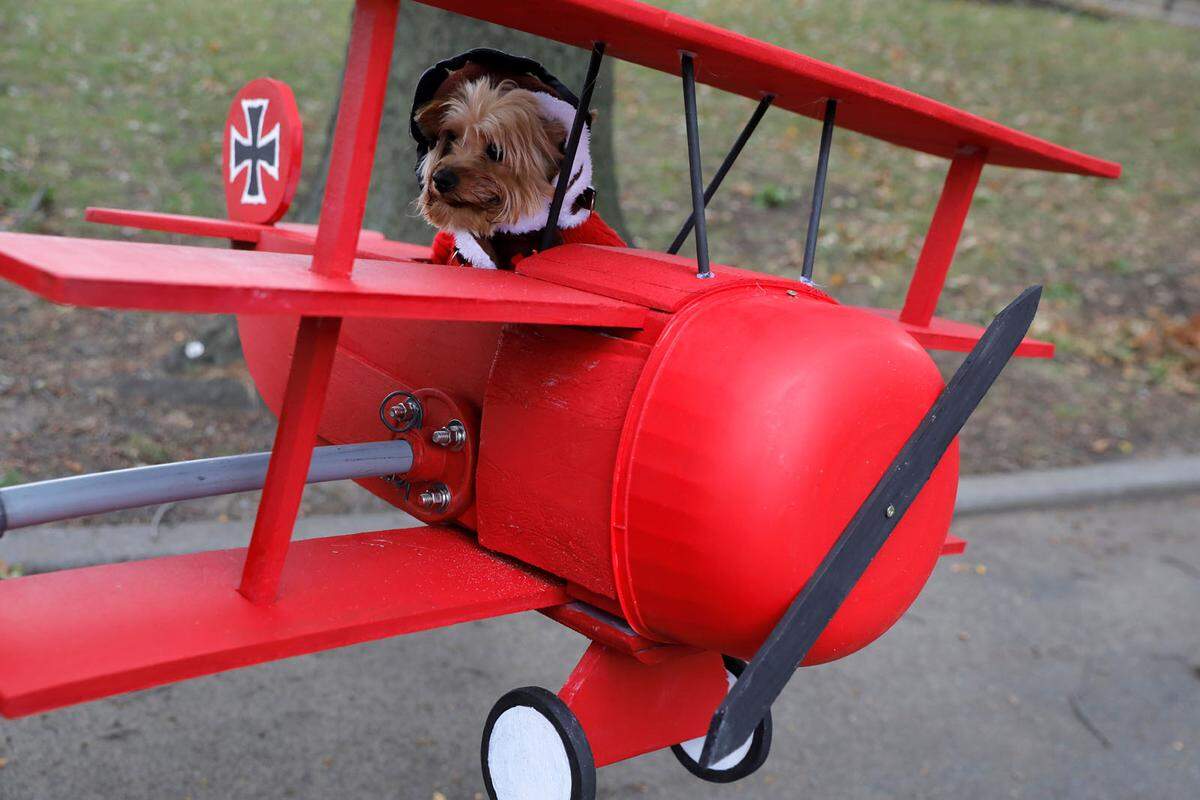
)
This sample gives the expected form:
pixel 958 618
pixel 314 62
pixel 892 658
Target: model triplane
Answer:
pixel 689 464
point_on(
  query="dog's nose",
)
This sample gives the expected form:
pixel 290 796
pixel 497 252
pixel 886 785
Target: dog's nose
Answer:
pixel 445 179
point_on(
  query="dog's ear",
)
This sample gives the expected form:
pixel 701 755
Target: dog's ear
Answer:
pixel 429 119
pixel 557 132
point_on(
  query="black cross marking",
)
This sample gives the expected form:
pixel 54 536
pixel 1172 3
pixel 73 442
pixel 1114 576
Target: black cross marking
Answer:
pixel 253 152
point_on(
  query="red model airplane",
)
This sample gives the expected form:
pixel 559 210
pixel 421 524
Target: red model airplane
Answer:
pixel 689 464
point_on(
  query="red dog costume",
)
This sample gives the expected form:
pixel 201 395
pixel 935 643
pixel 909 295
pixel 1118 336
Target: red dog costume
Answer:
pixel 578 223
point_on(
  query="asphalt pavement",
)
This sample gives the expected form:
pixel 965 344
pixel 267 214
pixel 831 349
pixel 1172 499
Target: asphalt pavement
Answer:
pixel 1059 658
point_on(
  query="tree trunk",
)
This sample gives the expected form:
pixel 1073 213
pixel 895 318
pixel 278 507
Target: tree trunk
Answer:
pixel 425 36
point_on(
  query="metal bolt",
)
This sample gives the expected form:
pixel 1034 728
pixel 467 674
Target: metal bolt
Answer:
pixel 402 411
pixel 404 415
pixel 792 293
pixel 891 512
pixel 436 498
pixel 452 435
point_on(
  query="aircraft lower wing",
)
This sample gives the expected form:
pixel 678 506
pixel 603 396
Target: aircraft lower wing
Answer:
pixel 182 224
pixel 83 634
pixel 209 280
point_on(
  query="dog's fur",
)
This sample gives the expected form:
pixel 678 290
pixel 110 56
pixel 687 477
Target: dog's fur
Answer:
pixel 502 149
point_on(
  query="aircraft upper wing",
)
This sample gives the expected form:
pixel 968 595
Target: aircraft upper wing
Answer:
pixel 161 277
pixel 83 634
pixel 642 34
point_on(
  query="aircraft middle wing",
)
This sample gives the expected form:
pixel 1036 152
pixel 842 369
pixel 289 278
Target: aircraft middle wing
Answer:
pixel 209 280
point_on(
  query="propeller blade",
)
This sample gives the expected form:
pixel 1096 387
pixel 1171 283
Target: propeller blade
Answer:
pixel 812 609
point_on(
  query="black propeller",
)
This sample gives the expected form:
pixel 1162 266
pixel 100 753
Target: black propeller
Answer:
pixel 772 666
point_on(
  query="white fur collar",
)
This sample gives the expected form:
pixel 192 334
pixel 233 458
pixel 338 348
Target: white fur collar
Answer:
pixel 564 113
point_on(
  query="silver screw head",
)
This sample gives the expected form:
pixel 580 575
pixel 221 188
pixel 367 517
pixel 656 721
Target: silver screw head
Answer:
pixel 452 435
pixel 792 293
pixel 435 498
pixel 401 411
pixel 891 512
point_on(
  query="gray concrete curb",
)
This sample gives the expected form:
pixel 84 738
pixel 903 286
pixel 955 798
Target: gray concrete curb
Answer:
pixel 1058 488
pixel 49 547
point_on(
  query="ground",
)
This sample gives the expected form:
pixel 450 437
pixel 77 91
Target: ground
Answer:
pixel 1059 658
pixel 114 103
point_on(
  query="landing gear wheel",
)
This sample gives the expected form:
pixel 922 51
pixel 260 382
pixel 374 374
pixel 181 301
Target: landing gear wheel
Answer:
pixel 534 747
pixel 741 762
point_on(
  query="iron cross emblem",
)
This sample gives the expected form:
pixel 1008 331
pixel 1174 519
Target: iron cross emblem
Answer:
pixel 252 152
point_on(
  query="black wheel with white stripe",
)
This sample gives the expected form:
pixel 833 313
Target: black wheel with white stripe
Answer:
pixel 534 747
pixel 743 761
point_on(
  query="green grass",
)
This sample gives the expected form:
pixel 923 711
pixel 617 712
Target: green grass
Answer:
pixel 120 102
pixel 11 477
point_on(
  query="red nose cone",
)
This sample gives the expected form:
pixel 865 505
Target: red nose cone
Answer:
pixel 760 424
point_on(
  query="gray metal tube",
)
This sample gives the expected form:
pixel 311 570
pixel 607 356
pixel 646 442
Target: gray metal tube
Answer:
pixel 81 495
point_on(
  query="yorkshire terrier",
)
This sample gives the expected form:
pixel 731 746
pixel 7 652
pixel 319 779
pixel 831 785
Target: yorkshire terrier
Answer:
pixel 491 138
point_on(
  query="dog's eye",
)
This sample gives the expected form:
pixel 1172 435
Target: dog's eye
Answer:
pixel 493 152
pixel 448 137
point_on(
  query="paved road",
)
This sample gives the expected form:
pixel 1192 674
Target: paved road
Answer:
pixel 1059 659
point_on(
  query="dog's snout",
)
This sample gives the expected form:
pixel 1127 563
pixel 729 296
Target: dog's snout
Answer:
pixel 445 179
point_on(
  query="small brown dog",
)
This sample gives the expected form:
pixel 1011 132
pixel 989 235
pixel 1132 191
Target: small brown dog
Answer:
pixel 491 132
pixel 495 156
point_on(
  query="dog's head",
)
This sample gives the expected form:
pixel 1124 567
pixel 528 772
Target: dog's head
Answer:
pixel 492 157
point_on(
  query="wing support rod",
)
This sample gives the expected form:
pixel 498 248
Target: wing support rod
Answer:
pixel 688 71
pixel 295 438
pixel 356 132
pixel 82 495
pixel 550 232
pixel 818 197
pixel 937 253
pixel 351 156
pixel 726 165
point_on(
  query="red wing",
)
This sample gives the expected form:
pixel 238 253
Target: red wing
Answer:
pixel 954 546
pixel 959 337
pixel 182 224
pixel 371 244
pixel 642 34
pixel 160 277
pixel 83 634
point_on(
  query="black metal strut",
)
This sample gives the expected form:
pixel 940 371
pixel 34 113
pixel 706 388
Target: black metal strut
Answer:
pixel 818 198
pixel 726 165
pixel 688 72
pixel 550 232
